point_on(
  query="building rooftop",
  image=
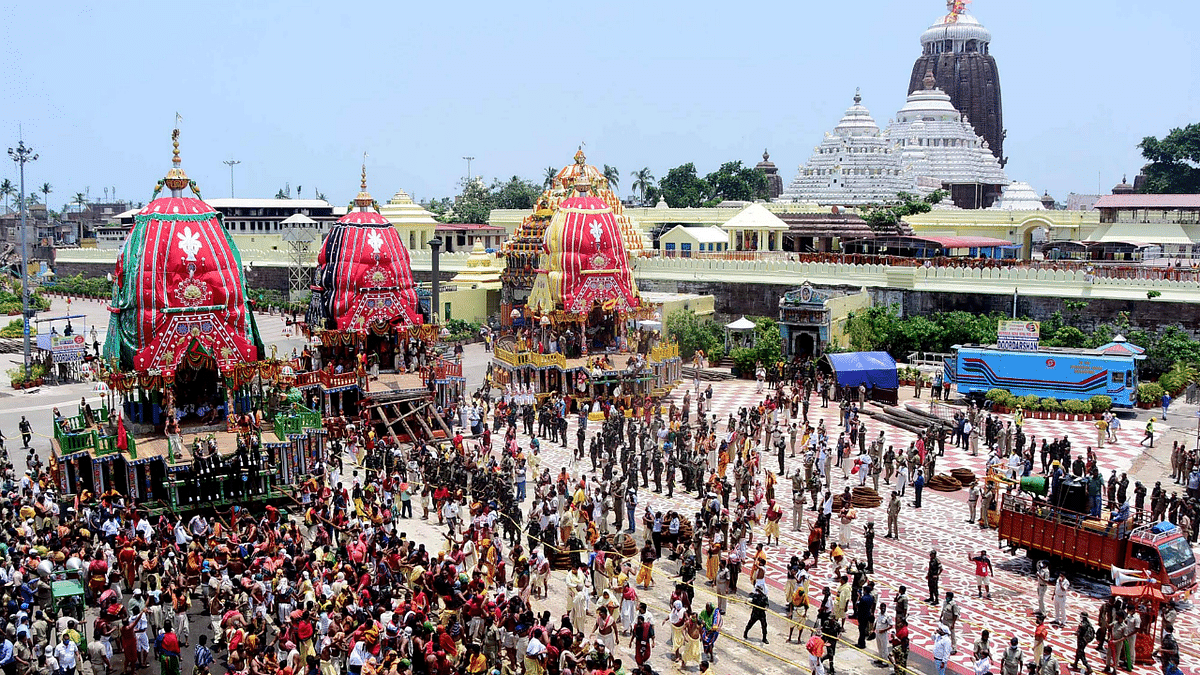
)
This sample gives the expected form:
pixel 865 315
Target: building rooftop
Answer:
pixel 253 203
pixel 1140 201
pixel 1019 196
pixel 755 217
pixel 705 235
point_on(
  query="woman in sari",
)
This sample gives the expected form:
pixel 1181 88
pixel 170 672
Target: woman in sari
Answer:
pixel 710 630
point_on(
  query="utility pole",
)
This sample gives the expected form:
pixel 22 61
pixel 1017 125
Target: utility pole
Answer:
pixel 21 155
pixel 468 168
pixel 231 163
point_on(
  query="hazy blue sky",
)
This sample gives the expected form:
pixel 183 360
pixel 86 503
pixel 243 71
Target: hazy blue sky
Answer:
pixel 297 91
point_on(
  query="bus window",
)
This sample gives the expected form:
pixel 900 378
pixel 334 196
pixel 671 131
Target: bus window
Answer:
pixel 1118 377
pixel 1129 378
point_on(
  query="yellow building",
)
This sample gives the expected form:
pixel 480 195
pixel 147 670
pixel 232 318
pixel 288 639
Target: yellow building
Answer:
pixel 415 224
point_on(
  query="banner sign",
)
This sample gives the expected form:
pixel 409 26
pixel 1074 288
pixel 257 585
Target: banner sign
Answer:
pixel 1019 336
pixel 68 349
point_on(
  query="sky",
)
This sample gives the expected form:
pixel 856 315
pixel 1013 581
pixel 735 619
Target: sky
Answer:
pixel 298 91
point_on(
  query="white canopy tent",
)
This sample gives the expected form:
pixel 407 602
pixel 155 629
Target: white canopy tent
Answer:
pixel 740 333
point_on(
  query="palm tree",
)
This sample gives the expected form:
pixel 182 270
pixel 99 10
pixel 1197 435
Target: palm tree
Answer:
pixel 46 189
pixel 642 180
pixel 613 176
pixel 548 179
pixel 80 200
pixel 7 189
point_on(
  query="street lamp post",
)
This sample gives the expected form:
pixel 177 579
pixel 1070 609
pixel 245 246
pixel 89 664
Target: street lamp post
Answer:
pixel 468 168
pixel 231 163
pixel 21 155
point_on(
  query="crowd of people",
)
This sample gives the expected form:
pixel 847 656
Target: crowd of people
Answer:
pixel 337 583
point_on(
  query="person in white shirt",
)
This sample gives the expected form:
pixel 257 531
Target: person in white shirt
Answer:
pixel 67 654
pixel 182 538
pixel 941 649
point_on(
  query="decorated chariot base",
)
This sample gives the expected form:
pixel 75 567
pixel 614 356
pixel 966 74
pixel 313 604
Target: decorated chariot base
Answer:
pixel 190 389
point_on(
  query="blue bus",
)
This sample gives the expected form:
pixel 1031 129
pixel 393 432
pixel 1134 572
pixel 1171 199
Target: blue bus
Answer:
pixel 1050 372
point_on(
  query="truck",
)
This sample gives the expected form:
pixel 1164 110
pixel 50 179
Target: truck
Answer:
pixel 1159 551
pixel 1050 372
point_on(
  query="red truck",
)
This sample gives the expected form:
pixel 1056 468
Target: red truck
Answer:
pixel 1159 550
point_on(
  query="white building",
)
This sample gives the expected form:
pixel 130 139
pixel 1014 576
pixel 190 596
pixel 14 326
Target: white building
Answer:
pixel 929 146
pixel 853 165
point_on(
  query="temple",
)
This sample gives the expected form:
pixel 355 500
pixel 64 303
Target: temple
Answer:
pixel 583 331
pixel 928 146
pixel 956 50
pixel 939 148
pixel 854 165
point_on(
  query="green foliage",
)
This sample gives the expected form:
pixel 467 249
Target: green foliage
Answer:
pixel 1100 403
pixel 885 218
pixel 462 330
pixel 693 333
pixel 1050 405
pixel 744 359
pixel 734 182
pixel 477 200
pixel 1149 392
pixel 1164 348
pixel 1029 401
pixel 94 287
pixel 682 188
pixel 515 193
pixel 881 329
pixel 768 341
pixel 643 182
pixel 768 347
pixel 1174 166
pixel 653 194
pixel 1076 407
pixel 16 329
pixel 1055 333
pixel 1178 376
pixel 613 176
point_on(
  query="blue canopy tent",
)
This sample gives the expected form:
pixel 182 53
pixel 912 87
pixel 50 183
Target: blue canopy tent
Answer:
pixel 875 370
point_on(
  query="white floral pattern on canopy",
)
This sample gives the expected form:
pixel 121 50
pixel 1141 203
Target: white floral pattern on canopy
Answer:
pixel 740 333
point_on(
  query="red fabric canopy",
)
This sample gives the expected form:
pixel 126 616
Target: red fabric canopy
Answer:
pixel 586 260
pixel 180 289
pixel 366 273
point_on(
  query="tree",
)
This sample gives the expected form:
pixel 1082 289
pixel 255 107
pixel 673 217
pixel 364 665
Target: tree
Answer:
pixel 7 189
pixel 734 182
pixel 474 205
pixel 1174 166
pixel 515 193
pixel 282 195
pixel 613 176
pixel 682 188
pixel 548 177
pixel 80 200
pixel 46 189
pixel 885 218
pixel 643 180
pixel 693 333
